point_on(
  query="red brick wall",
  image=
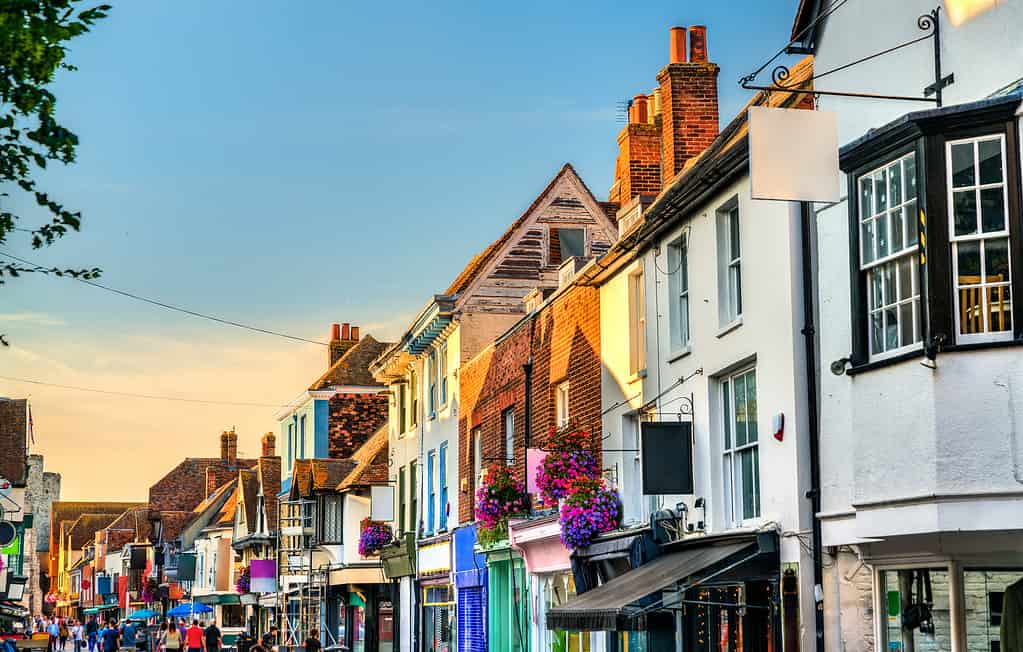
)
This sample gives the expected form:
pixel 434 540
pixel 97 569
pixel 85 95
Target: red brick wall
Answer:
pixel 13 453
pixel 564 338
pixel 689 113
pixel 354 418
pixel 638 169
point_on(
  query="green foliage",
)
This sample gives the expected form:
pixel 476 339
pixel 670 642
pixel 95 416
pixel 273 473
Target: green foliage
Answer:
pixel 33 47
pixel 33 38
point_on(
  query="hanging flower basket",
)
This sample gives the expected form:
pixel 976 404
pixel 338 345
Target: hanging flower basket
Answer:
pixel 373 537
pixel 567 460
pixel 244 582
pixel 500 497
pixel 589 509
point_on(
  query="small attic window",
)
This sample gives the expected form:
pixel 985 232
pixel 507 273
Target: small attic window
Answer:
pixel 564 244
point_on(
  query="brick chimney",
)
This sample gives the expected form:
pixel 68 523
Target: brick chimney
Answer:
pixel 342 337
pixel 689 101
pixel 229 446
pixel 638 168
pixel 269 443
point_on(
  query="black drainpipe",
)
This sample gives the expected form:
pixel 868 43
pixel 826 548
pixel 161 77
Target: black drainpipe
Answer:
pixel 813 419
pixel 527 369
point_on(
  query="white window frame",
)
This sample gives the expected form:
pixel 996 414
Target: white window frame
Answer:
pixel 678 287
pixel 508 423
pixel 637 321
pixel 729 264
pixel 442 374
pixel 874 270
pixel 730 452
pixel 477 456
pixel 430 372
pixel 981 237
pixel 562 415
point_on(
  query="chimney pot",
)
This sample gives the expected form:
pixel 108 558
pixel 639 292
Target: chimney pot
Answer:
pixel 229 446
pixel 639 102
pixel 344 331
pixel 698 44
pixel 335 332
pixel 677 52
pixel 355 333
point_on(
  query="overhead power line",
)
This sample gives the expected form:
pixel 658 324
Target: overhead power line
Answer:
pixel 154 397
pixel 169 306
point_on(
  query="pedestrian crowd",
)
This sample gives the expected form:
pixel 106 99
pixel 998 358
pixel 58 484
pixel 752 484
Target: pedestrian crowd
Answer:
pixel 110 636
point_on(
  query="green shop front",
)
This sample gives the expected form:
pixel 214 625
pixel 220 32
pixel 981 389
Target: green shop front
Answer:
pixel 399 565
pixel 507 599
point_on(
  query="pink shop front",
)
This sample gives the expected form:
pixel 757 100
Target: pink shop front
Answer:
pixel 549 568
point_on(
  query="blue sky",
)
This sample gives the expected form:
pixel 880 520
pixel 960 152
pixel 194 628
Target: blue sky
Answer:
pixel 293 164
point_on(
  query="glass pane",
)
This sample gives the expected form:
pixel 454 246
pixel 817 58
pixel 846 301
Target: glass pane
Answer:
pixel 968 256
pixel 999 308
pixel 996 260
pixel 909 212
pixel 905 277
pixel 751 407
pixel 909 171
pixel 902 599
pixel 880 191
pixel 992 209
pixel 572 243
pixel 891 329
pixel 737 283
pixel 866 197
pixel 683 324
pixel 727 403
pixel 876 332
pixel 867 240
pixel 739 387
pixel 750 482
pixel 882 235
pixel 984 605
pixel 876 298
pixel 962 165
pixel 895 218
pixel 733 224
pixel 889 283
pixel 964 210
pixel 895 185
pixel 990 154
pixel 907 336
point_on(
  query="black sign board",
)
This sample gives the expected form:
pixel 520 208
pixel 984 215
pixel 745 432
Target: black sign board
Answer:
pixel 667 457
pixel 138 558
pixel 186 567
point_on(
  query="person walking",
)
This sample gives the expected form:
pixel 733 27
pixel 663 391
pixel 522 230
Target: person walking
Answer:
pixel 63 634
pixel 110 640
pixel 128 636
pixel 171 639
pixel 53 629
pixel 78 635
pixel 312 644
pixel 269 639
pixel 92 632
pixel 214 639
pixel 194 637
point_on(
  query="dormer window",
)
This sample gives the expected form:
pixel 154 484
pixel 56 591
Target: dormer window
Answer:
pixel 564 244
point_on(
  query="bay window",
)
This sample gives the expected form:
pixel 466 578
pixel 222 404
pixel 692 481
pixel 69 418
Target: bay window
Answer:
pixel 936 235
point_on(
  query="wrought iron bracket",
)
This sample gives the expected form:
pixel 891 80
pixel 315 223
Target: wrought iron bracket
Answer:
pixel 929 22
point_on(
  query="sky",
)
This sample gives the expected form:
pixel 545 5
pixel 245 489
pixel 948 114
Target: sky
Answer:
pixel 289 165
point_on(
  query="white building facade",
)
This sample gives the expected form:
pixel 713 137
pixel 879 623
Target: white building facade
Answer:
pixel 921 453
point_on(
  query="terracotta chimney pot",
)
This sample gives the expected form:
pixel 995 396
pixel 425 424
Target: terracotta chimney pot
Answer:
pixel 698 44
pixel 677 51
pixel 640 104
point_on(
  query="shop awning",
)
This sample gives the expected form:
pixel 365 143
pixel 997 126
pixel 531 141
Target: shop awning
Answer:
pixel 610 606
pixel 357 575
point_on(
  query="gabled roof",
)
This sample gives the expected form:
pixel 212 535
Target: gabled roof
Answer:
pixel 352 369
pixel 370 463
pixel 269 470
pixel 135 519
pixel 225 516
pixel 175 522
pixel 310 476
pixel 479 262
pixel 217 494
pixel 248 485
pixel 84 528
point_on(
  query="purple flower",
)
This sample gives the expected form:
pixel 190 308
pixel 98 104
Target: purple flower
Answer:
pixel 373 537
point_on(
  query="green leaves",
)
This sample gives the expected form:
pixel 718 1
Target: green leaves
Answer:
pixel 34 36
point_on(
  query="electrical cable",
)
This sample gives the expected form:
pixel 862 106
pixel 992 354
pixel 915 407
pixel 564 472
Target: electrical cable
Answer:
pixel 154 397
pixel 168 306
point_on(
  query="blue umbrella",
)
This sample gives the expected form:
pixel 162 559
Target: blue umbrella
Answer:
pixel 142 614
pixel 188 609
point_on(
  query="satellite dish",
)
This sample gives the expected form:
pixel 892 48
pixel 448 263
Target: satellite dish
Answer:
pixel 8 533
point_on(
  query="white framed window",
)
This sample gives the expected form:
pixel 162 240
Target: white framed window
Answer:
pixel 561 414
pixel 508 419
pixel 402 405
pixel 637 323
pixel 431 381
pixel 477 455
pixel 729 264
pixel 888 256
pixel 979 236
pixel 413 398
pixel 741 463
pixel 678 287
